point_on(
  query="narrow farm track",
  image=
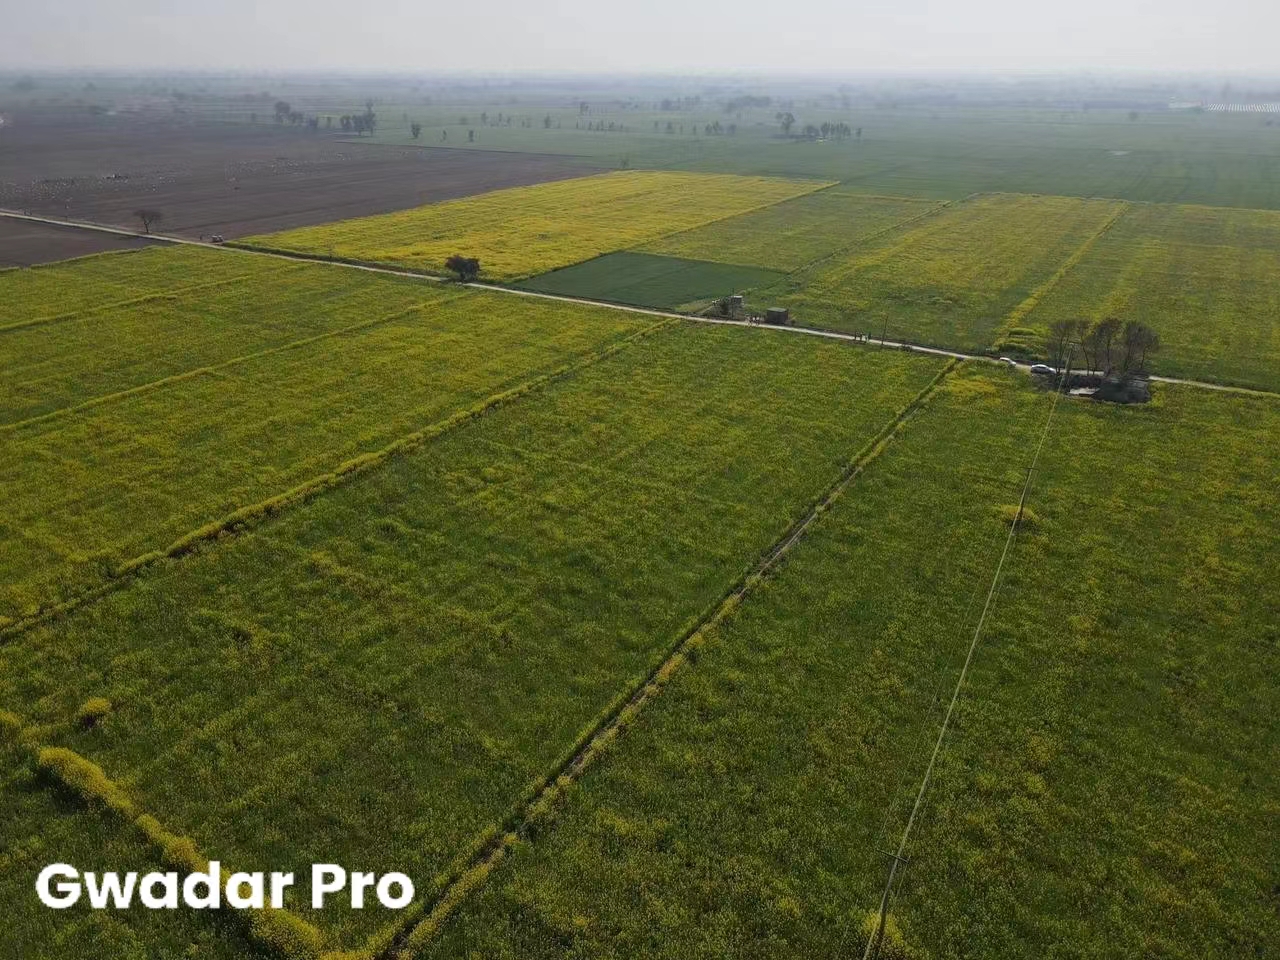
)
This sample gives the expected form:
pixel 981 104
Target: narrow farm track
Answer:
pixel 498 288
pixel 597 740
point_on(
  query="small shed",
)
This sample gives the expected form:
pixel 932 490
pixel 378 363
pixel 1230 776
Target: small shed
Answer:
pixel 778 315
pixel 735 303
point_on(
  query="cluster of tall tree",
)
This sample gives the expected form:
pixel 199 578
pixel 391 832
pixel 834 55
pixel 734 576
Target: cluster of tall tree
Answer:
pixel 284 113
pixel 360 123
pixel 1110 346
pixel 827 130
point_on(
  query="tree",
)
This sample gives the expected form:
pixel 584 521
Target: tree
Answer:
pixel 148 217
pixel 1139 341
pixel 471 136
pixel 786 121
pixel 1107 331
pixel 1058 342
pixel 467 268
pixel 415 130
pixel 282 110
pixel 1080 333
pixel 546 122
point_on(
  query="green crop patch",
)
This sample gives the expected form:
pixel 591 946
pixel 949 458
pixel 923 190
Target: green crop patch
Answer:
pixel 795 233
pixel 379 675
pixel 1113 744
pixel 1206 280
pixel 90 490
pixel 651 281
pixel 188 322
pixel 86 285
pixel 952 279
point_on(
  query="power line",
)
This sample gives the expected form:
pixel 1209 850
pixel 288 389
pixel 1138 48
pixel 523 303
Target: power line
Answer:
pixel 899 857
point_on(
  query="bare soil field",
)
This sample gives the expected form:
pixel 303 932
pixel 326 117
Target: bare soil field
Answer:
pixel 230 179
pixel 23 243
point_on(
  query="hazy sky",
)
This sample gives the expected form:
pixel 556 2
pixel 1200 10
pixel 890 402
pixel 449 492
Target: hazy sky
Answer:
pixel 685 36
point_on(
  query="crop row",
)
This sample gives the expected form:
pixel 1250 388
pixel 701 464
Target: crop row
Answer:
pixel 125 346
pixel 790 235
pixel 379 676
pixel 952 279
pixel 84 285
pixel 87 494
pixel 1115 742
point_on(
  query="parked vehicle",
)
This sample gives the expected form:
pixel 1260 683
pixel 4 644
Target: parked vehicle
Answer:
pixel 1043 370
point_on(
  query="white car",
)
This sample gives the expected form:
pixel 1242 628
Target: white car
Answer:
pixel 1008 360
pixel 1043 370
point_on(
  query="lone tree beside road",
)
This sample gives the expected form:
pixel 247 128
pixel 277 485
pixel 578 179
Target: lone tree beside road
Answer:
pixel 148 217
pixel 467 268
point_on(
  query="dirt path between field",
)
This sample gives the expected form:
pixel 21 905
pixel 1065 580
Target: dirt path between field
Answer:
pixel 395 272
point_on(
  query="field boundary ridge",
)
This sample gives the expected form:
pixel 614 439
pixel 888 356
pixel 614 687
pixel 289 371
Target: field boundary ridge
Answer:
pixel 281 931
pixel 253 514
pixel 540 802
pixel 214 367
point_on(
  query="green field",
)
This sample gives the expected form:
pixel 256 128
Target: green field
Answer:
pixel 350 368
pixel 791 235
pixel 629 636
pixel 953 279
pixel 668 283
pixel 454 619
pixel 1114 744
pixel 1208 280
pixel 944 153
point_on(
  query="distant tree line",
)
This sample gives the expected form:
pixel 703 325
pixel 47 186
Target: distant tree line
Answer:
pixel 824 131
pixel 738 104
pixel 284 113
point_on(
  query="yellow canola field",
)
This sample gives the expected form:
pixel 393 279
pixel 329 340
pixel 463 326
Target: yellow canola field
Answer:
pixel 524 231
